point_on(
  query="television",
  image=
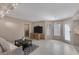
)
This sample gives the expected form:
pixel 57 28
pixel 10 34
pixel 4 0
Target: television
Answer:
pixel 38 29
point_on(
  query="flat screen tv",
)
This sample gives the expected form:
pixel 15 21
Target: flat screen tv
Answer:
pixel 38 29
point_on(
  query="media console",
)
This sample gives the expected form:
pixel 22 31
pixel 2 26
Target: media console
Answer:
pixel 37 36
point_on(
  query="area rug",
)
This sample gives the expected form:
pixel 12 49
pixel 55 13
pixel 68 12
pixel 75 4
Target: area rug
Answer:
pixel 30 49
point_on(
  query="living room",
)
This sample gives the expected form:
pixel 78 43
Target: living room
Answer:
pixel 49 30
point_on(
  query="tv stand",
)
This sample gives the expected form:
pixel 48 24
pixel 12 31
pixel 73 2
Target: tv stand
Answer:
pixel 37 36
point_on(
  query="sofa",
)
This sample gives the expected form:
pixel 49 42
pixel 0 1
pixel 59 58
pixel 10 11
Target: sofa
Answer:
pixel 7 48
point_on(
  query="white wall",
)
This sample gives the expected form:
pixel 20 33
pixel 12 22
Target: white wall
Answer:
pixel 11 28
pixel 75 29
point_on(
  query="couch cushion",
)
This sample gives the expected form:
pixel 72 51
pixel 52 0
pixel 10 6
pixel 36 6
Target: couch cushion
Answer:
pixel 0 49
pixel 4 45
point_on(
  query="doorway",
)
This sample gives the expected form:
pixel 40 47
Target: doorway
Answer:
pixel 26 30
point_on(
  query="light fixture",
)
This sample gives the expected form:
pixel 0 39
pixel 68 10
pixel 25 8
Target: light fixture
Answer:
pixel 5 8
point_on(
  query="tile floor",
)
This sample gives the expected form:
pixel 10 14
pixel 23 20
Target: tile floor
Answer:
pixel 49 47
pixel 54 47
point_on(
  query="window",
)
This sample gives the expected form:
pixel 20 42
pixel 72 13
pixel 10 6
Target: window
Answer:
pixel 67 32
pixel 57 29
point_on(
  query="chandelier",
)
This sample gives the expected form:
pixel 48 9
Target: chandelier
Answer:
pixel 5 8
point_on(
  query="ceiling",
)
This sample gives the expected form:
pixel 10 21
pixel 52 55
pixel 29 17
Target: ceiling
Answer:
pixel 44 11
